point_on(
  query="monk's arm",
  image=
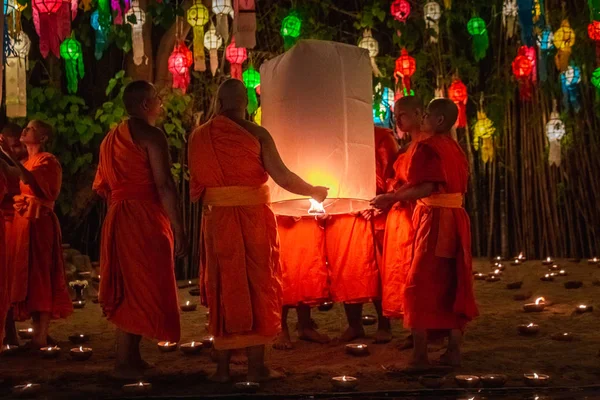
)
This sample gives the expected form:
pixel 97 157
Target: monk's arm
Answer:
pixel 19 171
pixel 414 192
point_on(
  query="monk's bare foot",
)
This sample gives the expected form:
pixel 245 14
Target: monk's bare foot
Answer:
pixel 383 336
pixel 219 377
pixel 283 341
pixel 450 358
pixel 351 334
pixel 266 374
pixel 127 372
pixel 311 335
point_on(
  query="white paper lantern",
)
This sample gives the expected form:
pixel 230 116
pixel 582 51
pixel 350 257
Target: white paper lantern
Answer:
pixel 137 36
pixel 509 16
pixel 222 9
pixel 369 43
pixel 16 76
pixel 213 41
pixel 432 12
pixel 555 131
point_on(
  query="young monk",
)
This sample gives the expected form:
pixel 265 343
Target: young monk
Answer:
pixel 439 289
pixel 230 161
pixel 10 141
pixel 39 288
pixel 138 292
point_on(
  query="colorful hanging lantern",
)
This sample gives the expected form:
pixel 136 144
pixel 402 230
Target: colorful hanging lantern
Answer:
pixel 70 51
pixel 478 30
pixel 52 23
pixel 258 116
pixel 236 57
pixel 197 17
pixel 251 79
pixel 388 98
pixel 244 23
pixel 524 68
pixel 136 18
pixel 457 92
pixel 116 6
pixel 400 10
pixel 564 39
pixel 509 16
pixel 483 136
pixel 596 79
pixel 381 115
pixel 222 9
pixel 16 76
pixel 369 43
pixel 405 68
pixel 594 34
pixel 545 43
pixel 101 34
pixel 432 12
pixel 290 29
pixel 569 80
pixel 12 15
pixel 180 61
pixel 212 41
pixel 555 131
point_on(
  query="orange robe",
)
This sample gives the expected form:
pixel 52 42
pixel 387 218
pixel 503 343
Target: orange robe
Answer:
pixel 240 268
pixel 39 282
pixel 8 210
pixel 138 292
pixel 303 263
pixel 439 283
pixel 4 275
pixel 386 152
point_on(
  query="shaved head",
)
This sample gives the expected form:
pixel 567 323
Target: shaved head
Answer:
pixel 43 128
pixel 408 112
pixel 441 116
pixel 232 96
pixel 136 94
pixel 409 103
pixel 12 130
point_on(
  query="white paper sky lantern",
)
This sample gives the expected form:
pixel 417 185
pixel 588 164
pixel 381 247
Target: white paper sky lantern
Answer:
pixel 16 76
pixel 213 41
pixel 555 130
pixel 137 37
pixel 222 9
pixel 433 12
pixel 317 103
pixel 369 43
pixel 509 16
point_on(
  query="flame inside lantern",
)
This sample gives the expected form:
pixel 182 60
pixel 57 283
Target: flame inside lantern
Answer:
pixel 540 300
pixel 316 207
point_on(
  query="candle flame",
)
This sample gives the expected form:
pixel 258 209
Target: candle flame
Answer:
pixel 189 282
pixel 562 271
pixel 521 256
pixel 316 207
pixel 28 385
pixel 80 348
pixel 193 344
pixel 187 303
pixel 547 275
pixel 530 325
pixel 548 259
pixel 344 378
pixel 535 376
pixel 540 300
pixel 30 330
pixel 565 334
pixel 582 306
pixel 497 271
pixel 140 384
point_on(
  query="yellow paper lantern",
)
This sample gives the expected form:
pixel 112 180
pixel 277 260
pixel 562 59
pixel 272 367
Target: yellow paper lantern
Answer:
pixel 197 17
pixel 483 133
pixel 564 39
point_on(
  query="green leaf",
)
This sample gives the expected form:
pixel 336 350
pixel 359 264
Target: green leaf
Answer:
pixel 120 74
pixel 111 85
pixel 81 128
pixel 169 128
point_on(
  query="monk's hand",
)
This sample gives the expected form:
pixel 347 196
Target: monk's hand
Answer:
pixel 383 201
pixel 181 245
pixel 319 193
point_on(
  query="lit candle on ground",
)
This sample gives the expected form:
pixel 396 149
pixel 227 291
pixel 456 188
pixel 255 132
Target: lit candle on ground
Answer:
pixel 554 274
pixel 79 338
pixel 167 347
pixel 479 276
pixel 562 272
pixel 368 320
pixel 188 306
pixel 81 353
pixel 499 258
pixel 50 351
pixel 26 334
pixel 493 380
pixel 547 278
pixel 247 387
pixel 344 382
pixel 191 348
pixel 27 390
pixel 9 350
pixel 529 329
pixel 138 388
pixel 538 306
pixel 536 380
pixel 467 381
pixel 554 267
pixel 499 266
pixel 563 337
pixel 517 262
pixel 431 381
pixel 593 261
pixel 208 342
pixel 582 308
pixel 79 304
pixel 548 261
pixel 492 278
pixel 357 349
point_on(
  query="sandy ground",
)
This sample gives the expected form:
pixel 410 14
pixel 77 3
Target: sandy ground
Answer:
pixel 492 345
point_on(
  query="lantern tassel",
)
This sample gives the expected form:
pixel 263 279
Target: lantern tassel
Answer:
pixel 252 101
pixel 562 59
pixel 554 153
pixel 137 38
pixel 448 4
pixel 199 60
pixel 236 71
pixel 525 89
pixel 487 149
pixel 16 84
pixel 462 114
pixel 214 61
pixel 526 20
pixel 406 84
pixel 289 42
pixel 223 26
pixel 375 68
pixel 481 43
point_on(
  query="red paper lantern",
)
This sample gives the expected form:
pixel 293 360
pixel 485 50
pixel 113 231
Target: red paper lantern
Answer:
pixel 47 6
pixel 236 57
pixel 400 10
pixel 180 61
pixel 594 31
pixel 405 68
pixel 523 68
pixel 457 92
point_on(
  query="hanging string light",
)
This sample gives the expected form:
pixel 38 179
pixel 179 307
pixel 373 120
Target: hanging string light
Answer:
pixel 509 16
pixel 222 9
pixel 290 29
pixel 564 39
pixel 478 30
pixel 251 79
pixel 16 76
pixel 70 51
pixel 136 17
pixel 400 10
pixel 369 43
pixel 213 42
pixel 555 131
pixel 569 81
pixel 197 17
pixel 457 92
pixel 180 61
pixel 405 68
pixel 236 57
pixel 432 12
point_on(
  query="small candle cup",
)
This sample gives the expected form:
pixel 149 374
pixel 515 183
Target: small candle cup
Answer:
pixel 467 381
pixel 357 349
pixel 562 272
pixel 536 380
pixel 529 329
pixel 50 352
pixel 326 306
pixel 479 276
pixel 188 306
pixel 9 350
pixel 431 381
pixel 554 267
pixel 79 304
pixel 563 337
pixel 499 258
pixel 548 261
pixel 194 292
pixel 247 387
pixel 137 388
pixel 167 347
pixel 191 348
pixel 492 278
pixel 516 262
pixel 582 308
pixel 208 341
pixel 79 338
pixel 594 261
pixel 547 278
pixel 534 307
pixel 499 266
pixel 369 320
pixel 344 382
pixel 26 334
pixel 493 380
pixel 81 353
pixel 27 390
pixel 84 275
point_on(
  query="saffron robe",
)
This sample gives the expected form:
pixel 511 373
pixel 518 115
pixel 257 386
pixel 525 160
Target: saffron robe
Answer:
pixel 8 211
pixel 439 283
pixel 4 275
pixel 39 282
pixel 386 152
pixel 240 271
pixel 138 291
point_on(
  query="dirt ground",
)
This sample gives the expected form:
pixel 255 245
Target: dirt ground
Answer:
pixel 491 345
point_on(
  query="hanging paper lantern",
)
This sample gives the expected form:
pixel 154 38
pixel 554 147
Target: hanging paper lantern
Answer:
pixel 236 57
pixel 545 41
pixel 52 23
pixel 457 92
pixel 509 15
pixel 197 17
pixel 448 4
pixel 478 30
pixel 101 31
pixel 381 115
pixel 388 98
pixel 136 18
pixel 290 29
pixel 522 68
pixel 222 9
pixel 369 43
pixel 432 12
pixel 180 61
pixel 400 10
pixel 251 79
pixel 70 51
pixel 258 116
pixel 116 6
pixel 405 68
pixel 555 131
pixel 16 76
pixel 594 6
pixel 483 133
pixel 12 15
pixel 596 79
pixel 212 41
pixel 569 80
pixel 594 34
pixel 564 39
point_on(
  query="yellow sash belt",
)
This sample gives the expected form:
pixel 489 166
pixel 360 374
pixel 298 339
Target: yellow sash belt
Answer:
pixel 232 196
pixel 444 200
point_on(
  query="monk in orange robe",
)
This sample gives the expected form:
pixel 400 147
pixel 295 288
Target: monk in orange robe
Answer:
pixel 142 229
pixel 230 160
pixel 10 141
pixel 4 275
pixel 39 285
pixel 439 285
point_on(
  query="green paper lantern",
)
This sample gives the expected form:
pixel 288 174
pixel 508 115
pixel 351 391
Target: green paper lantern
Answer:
pixel 251 78
pixel 596 78
pixel 70 51
pixel 478 30
pixel 476 26
pixel 290 29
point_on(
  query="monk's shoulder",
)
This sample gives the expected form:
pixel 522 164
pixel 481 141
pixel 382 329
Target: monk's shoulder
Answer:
pixel 151 136
pixel 257 131
pixel 48 159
